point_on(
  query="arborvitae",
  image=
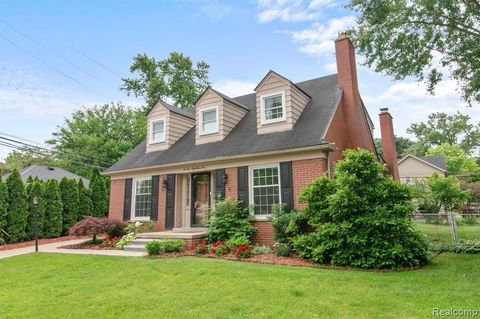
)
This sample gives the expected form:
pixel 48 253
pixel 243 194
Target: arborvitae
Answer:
pixel 17 208
pixel 30 179
pixel 37 189
pixel 85 202
pixel 69 194
pixel 3 209
pixel 53 209
pixel 99 197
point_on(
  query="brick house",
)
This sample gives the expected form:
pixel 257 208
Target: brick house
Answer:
pixel 262 148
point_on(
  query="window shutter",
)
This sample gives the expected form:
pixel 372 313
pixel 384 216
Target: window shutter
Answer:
pixel 242 185
pixel 170 201
pixel 154 197
pixel 219 184
pixel 286 185
pixel 127 199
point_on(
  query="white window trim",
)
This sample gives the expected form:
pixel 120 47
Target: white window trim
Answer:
pixel 250 188
pixel 150 137
pixel 200 118
pixel 262 108
pixel 134 199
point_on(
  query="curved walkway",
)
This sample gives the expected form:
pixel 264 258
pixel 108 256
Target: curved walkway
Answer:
pixel 55 248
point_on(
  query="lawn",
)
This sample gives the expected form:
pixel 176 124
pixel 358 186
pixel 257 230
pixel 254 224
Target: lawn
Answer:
pixel 442 232
pixel 84 286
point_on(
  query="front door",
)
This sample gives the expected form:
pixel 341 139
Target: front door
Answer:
pixel 200 198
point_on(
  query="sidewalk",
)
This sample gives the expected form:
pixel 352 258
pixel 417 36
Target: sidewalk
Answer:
pixel 54 248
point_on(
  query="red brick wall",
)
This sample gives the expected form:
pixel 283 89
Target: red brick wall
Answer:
pixel 231 185
pixel 264 233
pixel 117 192
pixel 337 133
pixel 162 198
pixel 388 143
pixel 304 172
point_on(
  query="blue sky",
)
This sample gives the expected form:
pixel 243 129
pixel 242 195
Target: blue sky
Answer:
pixel 56 56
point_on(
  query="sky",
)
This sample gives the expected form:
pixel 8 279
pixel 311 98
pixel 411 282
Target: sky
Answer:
pixel 57 56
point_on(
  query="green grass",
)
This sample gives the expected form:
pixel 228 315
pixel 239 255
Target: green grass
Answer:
pixel 442 232
pixel 84 286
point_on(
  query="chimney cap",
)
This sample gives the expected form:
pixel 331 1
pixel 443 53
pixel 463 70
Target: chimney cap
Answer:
pixel 384 110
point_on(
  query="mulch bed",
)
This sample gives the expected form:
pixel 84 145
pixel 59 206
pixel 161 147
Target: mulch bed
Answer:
pixel 87 246
pixel 40 242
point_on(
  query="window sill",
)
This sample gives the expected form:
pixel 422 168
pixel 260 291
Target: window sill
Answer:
pixel 207 133
pixel 139 219
pixel 156 142
pixel 273 121
pixel 261 217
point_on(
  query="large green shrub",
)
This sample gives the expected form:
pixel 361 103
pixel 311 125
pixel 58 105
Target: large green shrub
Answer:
pixel 17 208
pixel 85 201
pixel 3 209
pixel 98 195
pixel 53 210
pixel 228 220
pixel 35 189
pixel 157 247
pixel 70 202
pixel 287 225
pixel 360 218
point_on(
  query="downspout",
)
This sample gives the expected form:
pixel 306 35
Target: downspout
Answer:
pixel 328 165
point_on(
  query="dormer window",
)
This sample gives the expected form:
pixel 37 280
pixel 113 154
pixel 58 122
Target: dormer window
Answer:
pixel 273 108
pixel 209 120
pixel 157 130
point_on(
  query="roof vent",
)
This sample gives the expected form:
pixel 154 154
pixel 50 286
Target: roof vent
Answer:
pixel 50 168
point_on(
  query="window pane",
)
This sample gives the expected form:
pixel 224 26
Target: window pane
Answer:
pixel 273 107
pixel 158 131
pixel 210 116
pixel 143 193
pixel 265 189
pixel 209 121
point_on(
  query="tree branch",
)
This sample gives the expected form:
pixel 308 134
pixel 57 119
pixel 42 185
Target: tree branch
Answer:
pixel 473 32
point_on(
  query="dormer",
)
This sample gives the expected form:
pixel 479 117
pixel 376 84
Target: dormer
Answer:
pixel 166 124
pixel 279 103
pixel 216 115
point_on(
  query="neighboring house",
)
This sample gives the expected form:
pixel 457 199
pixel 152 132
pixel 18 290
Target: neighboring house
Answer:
pixel 45 173
pixel 413 168
pixel 262 148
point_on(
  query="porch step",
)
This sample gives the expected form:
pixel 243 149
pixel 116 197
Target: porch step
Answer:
pixel 138 245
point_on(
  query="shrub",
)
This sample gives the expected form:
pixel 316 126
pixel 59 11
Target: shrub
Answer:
pixel 17 213
pixel 228 220
pixel 3 209
pixel 361 218
pixel 139 227
pixel 114 227
pixel 70 202
pixel 94 226
pixel 98 194
pixel 37 190
pixel 238 241
pixel 110 241
pixel 156 247
pixel 125 241
pixel 287 225
pixel 200 248
pixel 261 250
pixel 242 251
pixel 53 210
pixel 219 248
pixel 282 249
pixel 85 201
pixel 469 219
pixel 467 246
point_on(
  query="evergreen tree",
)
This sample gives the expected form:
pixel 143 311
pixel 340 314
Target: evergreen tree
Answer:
pixel 53 209
pixel 99 195
pixel 3 209
pixel 85 201
pixel 37 189
pixel 17 208
pixel 70 201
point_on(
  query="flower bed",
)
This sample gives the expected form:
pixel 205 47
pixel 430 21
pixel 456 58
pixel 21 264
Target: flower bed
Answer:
pixel 100 244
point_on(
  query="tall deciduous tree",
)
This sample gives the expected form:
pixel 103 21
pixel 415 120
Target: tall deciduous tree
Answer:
pixel 17 208
pixel 70 201
pixel 35 189
pixel 85 201
pixel 175 77
pixel 98 136
pixel 26 156
pixel 424 39
pixel 457 161
pixel 53 208
pixel 441 128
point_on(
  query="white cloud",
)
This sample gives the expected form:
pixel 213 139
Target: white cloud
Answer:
pixel 291 10
pixel 214 9
pixel 234 88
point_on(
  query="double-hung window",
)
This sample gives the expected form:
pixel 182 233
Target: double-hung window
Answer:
pixel 157 131
pixel 142 196
pixel 209 120
pixel 273 108
pixel 265 188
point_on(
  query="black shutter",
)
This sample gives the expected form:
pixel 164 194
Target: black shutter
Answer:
pixel 286 185
pixel 242 185
pixel 127 199
pixel 170 201
pixel 219 184
pixel 154 197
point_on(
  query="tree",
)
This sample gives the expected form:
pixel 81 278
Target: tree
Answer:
pixel 423 39
pixel 54 209
pixel 402 144
pixel 100 198
pixel 85 201
pixel 94 226
pixel 17 208
pixel 70 200
pixel 26 156
pixel 457 161
pixel 442 128
pixel 446 192
pixel 98 137
pixel 3 210
pixel 175 77
pixel 35 189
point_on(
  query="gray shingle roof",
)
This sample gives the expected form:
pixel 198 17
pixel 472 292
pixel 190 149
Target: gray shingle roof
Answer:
pixel 438 161
pixel 45 173
pixel 188 112
pixel 243 139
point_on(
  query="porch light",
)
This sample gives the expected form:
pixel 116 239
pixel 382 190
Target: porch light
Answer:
pixel 164 183
pixel 225 178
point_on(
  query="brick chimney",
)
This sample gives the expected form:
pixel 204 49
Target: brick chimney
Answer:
pixel 347 80
pixel 388 143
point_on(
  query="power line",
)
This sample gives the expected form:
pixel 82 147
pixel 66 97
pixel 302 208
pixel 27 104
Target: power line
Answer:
pixel 42 61
pixel 95 61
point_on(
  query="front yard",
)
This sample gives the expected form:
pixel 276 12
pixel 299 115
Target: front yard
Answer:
pixel 85 286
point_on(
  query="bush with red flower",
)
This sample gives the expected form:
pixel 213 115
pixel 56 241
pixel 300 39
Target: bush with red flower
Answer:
pixel 242 251
pixel 110 242
pixel 200 248
pixel 219 248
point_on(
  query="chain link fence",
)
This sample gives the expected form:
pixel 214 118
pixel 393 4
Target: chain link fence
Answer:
pixel 449 227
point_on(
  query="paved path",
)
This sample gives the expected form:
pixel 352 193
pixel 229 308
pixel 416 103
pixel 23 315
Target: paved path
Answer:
pixel 54 248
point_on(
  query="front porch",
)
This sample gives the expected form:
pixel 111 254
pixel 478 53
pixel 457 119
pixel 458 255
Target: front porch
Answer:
pixel 189 235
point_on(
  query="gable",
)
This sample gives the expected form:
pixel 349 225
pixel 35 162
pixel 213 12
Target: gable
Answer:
pixel 413 167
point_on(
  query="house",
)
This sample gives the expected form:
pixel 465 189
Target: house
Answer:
pixel 45 173
pixel 262 148
pixel 413 168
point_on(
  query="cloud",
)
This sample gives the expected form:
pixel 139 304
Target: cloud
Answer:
pixel 214 9
pixel 234 88
pixel 291 10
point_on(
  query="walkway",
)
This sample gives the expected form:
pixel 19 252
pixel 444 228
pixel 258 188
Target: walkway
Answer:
pixel 54 248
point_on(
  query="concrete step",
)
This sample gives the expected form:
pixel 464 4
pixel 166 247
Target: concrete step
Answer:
pixel 135 248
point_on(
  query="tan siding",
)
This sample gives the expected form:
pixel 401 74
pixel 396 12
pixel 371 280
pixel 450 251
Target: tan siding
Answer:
pixel 157 112
pixel 415 169
pixel 178 126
